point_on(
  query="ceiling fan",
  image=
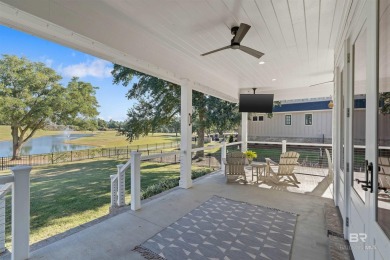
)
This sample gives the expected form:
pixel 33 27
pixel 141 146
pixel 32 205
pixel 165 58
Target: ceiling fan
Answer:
pixel 239 34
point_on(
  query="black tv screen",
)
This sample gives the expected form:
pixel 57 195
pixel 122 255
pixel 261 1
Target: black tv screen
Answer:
pixel 261 103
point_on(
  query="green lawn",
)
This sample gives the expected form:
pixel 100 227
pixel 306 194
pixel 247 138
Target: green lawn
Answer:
pixel 5 133
pixel 100 138
pixel 112 139
pixel 67 195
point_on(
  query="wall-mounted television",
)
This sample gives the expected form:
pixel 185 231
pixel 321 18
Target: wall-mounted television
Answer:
pixel 261 103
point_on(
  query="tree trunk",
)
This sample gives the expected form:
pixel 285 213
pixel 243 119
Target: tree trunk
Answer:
pixel 16 143
pixel 200 132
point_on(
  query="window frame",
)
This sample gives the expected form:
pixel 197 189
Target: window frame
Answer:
pixel 285 117
pixel 311 114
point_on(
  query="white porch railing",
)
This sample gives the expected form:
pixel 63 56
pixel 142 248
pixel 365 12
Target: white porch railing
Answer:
pixel 312 155
pixel 118 180
pixel 19 183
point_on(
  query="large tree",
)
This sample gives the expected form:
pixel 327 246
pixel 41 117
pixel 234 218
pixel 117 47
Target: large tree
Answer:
pixel 31 95
pixel 222 115
pixel 159 105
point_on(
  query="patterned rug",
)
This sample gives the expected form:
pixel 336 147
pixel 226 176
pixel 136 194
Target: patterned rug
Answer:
pixel 221 228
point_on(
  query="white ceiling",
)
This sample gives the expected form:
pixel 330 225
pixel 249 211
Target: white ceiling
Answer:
pixel 166 38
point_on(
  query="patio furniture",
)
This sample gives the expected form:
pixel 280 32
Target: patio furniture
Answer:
pixel 234 165
pixel 259 170
pixel 384 173
pixel 330 164
pixel 286 166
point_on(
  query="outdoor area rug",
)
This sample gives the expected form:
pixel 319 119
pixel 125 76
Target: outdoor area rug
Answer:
pixel 221 228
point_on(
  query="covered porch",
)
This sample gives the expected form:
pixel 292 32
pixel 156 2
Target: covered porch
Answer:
pixel 308 48
pixel 114 238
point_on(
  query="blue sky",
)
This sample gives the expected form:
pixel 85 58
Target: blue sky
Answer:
pixel 68 62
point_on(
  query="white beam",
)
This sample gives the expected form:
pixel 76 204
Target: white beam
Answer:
pixel 186 135
pixel 21 212
pixel 244 131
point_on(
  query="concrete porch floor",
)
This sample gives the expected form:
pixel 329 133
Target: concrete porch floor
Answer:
pixel 115 237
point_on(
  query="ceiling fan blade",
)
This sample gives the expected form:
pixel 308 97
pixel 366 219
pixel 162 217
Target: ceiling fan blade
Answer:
pixel 251 51
pixel 242 30
pixel 220 49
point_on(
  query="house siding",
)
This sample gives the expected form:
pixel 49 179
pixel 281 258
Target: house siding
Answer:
pixel 274 129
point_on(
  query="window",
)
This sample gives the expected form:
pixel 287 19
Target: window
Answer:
pixel 254 118
pixel 287 119
pixel 308 119
pixel 261 118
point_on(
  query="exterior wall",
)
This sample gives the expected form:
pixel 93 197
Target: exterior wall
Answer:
pixel 274 129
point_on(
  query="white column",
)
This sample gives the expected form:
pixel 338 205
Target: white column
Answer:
pixel 244 131
pixel 121 186
pixel 223 155
pixel 20 212
pixel 135 180
pixel 284 146
pixel 186 135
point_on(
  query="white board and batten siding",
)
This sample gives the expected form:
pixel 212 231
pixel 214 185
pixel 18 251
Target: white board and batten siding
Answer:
pixel 276 127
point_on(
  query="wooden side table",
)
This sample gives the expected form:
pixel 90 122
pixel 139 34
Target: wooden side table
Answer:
pixel 258 170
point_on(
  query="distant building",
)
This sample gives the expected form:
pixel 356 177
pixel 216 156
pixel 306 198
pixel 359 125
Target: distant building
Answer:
pixel 295 121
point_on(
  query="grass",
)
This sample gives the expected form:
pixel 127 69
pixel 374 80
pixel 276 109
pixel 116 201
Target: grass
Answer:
pixel 100 138
pixel 112 139
pixel 68 195
pixel 5 133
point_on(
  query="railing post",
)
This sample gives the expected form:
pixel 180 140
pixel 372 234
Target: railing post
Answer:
pixel 20 212
pixel 135 180
pixel 284 146
pixel 2 224
pixel 114 191
pixel 121 186
pixel 244 131
pixel 223 155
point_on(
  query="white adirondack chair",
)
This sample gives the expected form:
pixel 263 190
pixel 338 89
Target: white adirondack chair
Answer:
pixel 330 164
pixel 287 163
pixel 384 173
pixel 235 165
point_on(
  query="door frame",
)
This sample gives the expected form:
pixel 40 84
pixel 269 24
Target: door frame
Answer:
pixel 357 224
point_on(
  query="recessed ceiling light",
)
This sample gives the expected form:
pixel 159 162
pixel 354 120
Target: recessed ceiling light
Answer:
pixel 261 62
pixel 273 79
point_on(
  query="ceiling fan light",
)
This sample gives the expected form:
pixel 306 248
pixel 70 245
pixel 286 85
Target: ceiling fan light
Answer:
pixel 261 62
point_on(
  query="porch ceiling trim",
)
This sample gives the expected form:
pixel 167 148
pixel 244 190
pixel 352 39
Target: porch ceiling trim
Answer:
pixel 23 21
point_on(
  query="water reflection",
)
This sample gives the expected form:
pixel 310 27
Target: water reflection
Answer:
pixel 45 144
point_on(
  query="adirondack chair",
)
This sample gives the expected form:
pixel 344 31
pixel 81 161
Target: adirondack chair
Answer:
pixel 234 165
pixel 384 174
pixel 286 166
pixel 330 164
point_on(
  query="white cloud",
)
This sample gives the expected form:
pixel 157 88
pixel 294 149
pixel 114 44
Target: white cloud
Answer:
pixel 97 68
pixel 48 62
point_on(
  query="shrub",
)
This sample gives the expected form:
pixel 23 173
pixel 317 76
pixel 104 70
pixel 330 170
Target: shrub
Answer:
pixel 167 184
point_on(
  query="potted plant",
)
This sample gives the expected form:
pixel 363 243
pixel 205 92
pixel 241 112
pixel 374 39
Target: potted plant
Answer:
pixel 250 155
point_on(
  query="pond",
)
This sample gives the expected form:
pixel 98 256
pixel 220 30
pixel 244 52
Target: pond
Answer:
pixel 45 144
